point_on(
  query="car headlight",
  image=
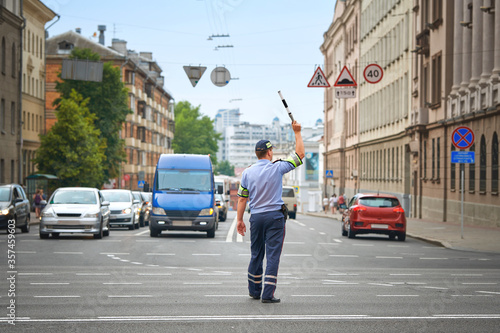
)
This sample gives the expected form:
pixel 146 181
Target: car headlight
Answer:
pixel 48 213
pixel 4 211
pixel 159 211
pixel 127 211
pixel 94 215
pixel 207 212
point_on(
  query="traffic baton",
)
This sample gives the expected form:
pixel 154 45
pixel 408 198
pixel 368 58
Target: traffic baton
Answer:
pixel 286 106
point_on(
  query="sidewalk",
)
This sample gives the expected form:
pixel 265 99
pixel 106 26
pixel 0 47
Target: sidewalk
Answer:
pixel 446 234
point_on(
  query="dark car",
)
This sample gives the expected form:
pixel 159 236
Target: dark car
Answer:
pixel 374 214
pixel 14 206
pixel 143 207
pixel 221 202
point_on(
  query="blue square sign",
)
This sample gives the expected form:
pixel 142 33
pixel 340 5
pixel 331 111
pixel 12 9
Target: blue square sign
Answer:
pixel 463 157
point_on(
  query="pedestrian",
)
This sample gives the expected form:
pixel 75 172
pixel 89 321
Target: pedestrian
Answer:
pixel 37 199
pixel 341 203
pixel 334 203
pixel 325 204
pixel 261 184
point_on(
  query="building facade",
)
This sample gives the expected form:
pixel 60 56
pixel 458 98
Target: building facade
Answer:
pixel 33 80
pixel 149 130
pixel 11 25
pixel 441 71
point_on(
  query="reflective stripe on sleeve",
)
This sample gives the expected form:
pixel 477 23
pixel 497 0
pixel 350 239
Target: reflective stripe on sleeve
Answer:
pixel 242 192
pixel 294 159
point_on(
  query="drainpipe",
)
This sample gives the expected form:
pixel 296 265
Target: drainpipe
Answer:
pixel 445 171
pixel 20 101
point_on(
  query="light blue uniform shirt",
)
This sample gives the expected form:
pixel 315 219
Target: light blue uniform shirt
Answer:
pixel 262 183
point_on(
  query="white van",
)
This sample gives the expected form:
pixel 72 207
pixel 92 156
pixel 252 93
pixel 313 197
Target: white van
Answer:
pixel 290 200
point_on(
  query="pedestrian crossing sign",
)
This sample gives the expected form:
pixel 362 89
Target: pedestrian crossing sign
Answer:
pixel 318 80
pixel 329 173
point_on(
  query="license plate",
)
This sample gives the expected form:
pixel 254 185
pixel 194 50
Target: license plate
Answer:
pixel 380 226
pixel 182 223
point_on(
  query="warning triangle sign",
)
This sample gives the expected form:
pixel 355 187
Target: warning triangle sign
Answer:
pixel 345 79
pixel 318 80
pixel 194 73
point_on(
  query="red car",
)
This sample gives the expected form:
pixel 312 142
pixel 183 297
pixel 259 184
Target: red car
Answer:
pixel 374 214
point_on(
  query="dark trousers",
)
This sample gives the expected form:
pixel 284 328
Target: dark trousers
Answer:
pixel 267 233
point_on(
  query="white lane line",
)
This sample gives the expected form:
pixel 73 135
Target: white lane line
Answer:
pixel 141 233
pixel 405 274
pixel 160 254
pixel 337 240
pixel 34 274
pixel 229 237
pixel 489 292
pixel 382 257
pixel 206 254
pixel 93 274
pixel 128 296
pixel 382 284
pixel 480 283
pixel 312 229
pixel 433 258
pixel 136 263
pixel 48 283
pixel 298 255
pixel 341 283
pixel 398 295
pixel 114 253
pixel 127 283
pixel 322 233
pixel 312 295
pixel 68 252
pixel 67 296
pixel 344 255
pixel 155 274
pixel 342 274
pixel 471 295
pixel 466 274
pixel 299 223
pixel 244 254
pixel 438 288
pixel 215 274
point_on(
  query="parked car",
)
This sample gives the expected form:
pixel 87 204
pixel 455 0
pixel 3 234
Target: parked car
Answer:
pixel 221 203
pixel 290 200
pixel 143 212
pixel 124 208
pixel 147 197
pixel 374 214
pixel 75 210
pixel 14 205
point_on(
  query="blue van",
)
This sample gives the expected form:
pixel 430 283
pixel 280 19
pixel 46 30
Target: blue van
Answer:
pixel 183 195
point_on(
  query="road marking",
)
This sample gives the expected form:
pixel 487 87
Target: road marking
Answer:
pixel 322 233
pixel 128 296
pixel 439 288
pixel 344 255
pixel 337 240
pixel 114 253
pixel 127 283
pixel 398 295
pixel 34 274
pixel 341 283
pixel 68 296
pixel 480 283
pixel 297 255
pixel 136 263
pixel 141 233
pixel 312 229
pixel 382 257
pixel 214 274
pixel 93 274
pixel 382 284
pixel 466 274
pixel 471 295
pixel 49 283
pixel 155 274
pixel 68 252
pixel 229 237
pixel 405 274
pixel 433 258
pixel 342 274
pixel 299 223
pixel 160 254
pixel 312 295
pixel 489 292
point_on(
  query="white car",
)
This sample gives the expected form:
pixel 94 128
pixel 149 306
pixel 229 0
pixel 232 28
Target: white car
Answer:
pixel 75 210
pixel 125 209
pixel 290 200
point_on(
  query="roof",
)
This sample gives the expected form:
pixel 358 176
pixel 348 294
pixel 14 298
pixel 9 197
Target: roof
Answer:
pixel 184 161
pixel 80 41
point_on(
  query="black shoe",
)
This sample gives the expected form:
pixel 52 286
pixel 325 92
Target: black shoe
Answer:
pixel 254 296
pixel 272 300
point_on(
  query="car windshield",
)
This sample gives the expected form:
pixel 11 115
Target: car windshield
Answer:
pixel 74 197
pixel 288 193
pixel 379 202
pixel 146 196
pixel 116 196
pixel 137 196
pixel 184 180
pixel 4 193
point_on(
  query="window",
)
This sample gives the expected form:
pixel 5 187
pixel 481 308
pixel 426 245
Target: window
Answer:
pixel 425 159
pixel 482 165
pixel 472 172
pixel 433 165
pixel 438 157
pixel 437 11
pixel 13 60
pixel 3 56
pixel 453 175
pixel 436 80
pixel 2 114
pixel 13 117
pixel 494 164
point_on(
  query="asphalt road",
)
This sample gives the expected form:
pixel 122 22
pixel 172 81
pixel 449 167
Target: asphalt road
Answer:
pixel 184 282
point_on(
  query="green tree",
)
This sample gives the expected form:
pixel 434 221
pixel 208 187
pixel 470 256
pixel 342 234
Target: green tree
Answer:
pixel 224 168
pixel 194 133
pixel 72 149
pixel 108 100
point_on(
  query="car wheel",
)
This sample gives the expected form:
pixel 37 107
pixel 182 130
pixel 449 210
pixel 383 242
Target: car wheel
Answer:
pixel 136 225
pixel 392 236
pixel 344 232
pixel 106 232
pixel 351 233
pixel 292 215
pixel 154 232
pixel 26 227
pixel 100 234
pixel 141 223
pixel 55 235
pixel 44 236
pixel 211 232
pixel 402 236
pixel 223 218
pixel 131 227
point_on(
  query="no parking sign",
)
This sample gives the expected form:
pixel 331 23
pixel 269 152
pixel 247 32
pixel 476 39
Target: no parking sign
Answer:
pixel 462 137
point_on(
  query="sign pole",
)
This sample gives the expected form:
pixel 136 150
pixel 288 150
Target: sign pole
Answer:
pixel 463 189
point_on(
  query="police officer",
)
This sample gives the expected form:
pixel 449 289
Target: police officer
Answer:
pixel 262 184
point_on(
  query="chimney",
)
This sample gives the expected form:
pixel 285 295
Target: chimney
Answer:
pixel 147 55
pixel 78 31
pixel 101 29
pixel 119 46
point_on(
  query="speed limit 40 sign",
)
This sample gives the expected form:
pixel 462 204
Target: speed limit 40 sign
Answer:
pixel 373 73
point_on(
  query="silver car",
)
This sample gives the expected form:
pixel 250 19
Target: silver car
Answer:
pixel 125 209
pixel 75 210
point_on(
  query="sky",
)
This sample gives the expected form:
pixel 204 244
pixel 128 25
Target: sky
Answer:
pixel 275 46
